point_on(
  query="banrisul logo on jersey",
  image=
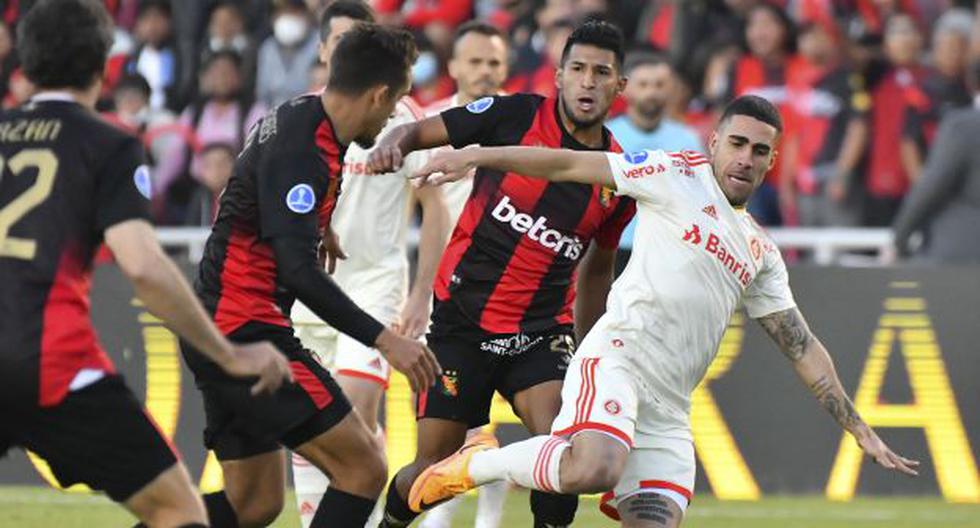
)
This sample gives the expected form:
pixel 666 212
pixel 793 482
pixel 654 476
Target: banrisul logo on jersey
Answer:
pixel 537 230
pixel 480 105
pixel 712 244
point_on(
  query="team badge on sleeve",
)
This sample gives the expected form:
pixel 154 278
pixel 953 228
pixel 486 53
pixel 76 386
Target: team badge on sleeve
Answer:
pixel 143 182
pixel 300 198
pixel 480 105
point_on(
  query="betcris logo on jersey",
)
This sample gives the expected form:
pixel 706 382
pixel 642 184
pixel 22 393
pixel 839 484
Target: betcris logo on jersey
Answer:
pixel 537 230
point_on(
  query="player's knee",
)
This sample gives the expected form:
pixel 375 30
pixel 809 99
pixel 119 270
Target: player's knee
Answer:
pixel 595 472
pixel 260 512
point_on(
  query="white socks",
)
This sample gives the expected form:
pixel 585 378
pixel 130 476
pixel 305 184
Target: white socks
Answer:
pixel 489 508
pixel 532 463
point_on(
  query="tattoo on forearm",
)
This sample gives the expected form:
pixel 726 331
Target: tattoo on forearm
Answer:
pixel 651 508
pixel 789 331
pixel 832 397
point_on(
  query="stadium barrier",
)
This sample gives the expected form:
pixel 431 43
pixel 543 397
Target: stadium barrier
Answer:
pixel 904 340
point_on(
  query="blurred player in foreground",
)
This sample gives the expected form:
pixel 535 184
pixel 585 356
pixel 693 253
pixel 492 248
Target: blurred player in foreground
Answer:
pixel 370 224
pixel 479 67
pixel 624 424
pixel 71 181
pixel 261 255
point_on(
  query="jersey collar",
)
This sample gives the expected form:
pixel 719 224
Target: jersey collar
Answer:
pixel 53 95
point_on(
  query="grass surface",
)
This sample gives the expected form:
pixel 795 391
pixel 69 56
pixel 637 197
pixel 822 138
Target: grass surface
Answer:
pixel 24 507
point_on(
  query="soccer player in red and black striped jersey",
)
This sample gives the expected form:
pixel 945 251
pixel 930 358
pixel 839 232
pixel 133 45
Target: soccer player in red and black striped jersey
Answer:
pixel 503 318
pixel 68 182
pixel 261 256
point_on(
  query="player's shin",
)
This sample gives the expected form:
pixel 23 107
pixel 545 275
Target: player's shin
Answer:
pixel 532 463
pixel 340 509
pixel 397 513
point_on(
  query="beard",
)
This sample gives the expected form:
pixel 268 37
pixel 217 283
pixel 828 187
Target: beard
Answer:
pixel 365 142
pixel 582 123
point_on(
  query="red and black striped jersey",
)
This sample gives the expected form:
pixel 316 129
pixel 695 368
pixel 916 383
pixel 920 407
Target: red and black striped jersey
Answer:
pixel 67 176
pixel 286 182
pixel 510 265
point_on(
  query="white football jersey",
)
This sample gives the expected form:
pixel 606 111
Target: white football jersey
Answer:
pixel 458 192
pixel 695 259
pixel 371 220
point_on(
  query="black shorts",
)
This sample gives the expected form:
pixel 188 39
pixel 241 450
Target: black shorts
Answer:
pixel 240 425
pixel 475 364
pixel 99 435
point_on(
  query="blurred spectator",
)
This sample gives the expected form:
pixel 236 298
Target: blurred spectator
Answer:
pixel 286 56
pixel 770 36
pixel 945 202
pixel 479 67
pixel 155 57
pixel 887 176
pixel 696 20
pixel 541 79
pixel 226 31
pixel 213 173
pixel 156 127
pixel 944 84
pixel 19 89
pixel 8 58
pixel 645 124
pixel 828 119
pixel 417 14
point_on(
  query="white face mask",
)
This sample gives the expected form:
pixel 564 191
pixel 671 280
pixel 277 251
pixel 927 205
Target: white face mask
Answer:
pixel 425 69
pixel 239 43
pixel 289 29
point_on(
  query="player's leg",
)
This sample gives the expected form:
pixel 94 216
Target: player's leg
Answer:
pixel 101 435
pixel 254 491
pixel 650 510
pixel 592 462
pixel 458 401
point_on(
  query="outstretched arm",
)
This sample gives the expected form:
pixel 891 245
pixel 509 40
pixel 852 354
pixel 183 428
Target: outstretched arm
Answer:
pixel 815 368
pixel 545 163
pixel 392 149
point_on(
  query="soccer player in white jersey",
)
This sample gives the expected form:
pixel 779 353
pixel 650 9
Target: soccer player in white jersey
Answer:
pixel 479 67
pixel 624 424
pixel 370 222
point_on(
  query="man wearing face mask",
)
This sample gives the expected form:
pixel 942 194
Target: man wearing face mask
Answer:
pixel 286 56
pixel 503 319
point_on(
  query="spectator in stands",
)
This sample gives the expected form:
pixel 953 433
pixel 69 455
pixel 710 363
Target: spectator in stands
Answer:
pixel 829 131
pixel 8 59
pixel 226 31
pixel 944 85
pixel 19 89
pixel 645 124
pixel 155 57
pixel 541 79
pixel 770 36
pixel 286 56
pixel 217 160
pixel 945 202
pixel 887 175
pixel 418 14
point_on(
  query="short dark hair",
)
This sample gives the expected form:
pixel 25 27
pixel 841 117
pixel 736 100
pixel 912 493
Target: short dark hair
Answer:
pixel 353 9
pixel 64 43
pixel 478 27
pixel 223 54
pixel 369 55
pixel 135 82
pixel 645 58
pixel 161 6
pixel 755 107
pixel 600 34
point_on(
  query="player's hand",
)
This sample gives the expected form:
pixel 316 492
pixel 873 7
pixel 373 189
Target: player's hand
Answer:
pixel 414 317
pixel 330 250
pixel 411 358
pixel 882 455
pixel 446 166
pixel 385 158
pixel 260 359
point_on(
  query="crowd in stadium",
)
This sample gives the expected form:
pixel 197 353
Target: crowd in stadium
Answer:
pixel 862 84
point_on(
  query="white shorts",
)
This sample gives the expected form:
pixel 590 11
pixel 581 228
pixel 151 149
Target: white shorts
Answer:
pixel 602 394
pixel 380 293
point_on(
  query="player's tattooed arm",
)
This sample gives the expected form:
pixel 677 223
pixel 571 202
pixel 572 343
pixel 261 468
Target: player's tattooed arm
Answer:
pixel 815 368
pixel 788 329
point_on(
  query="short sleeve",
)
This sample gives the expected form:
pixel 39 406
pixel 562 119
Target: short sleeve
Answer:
pixel 612 229
pixel 124 187
pixel 291 185
pixel 491 121
pixel 639 174
pixel 770 291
